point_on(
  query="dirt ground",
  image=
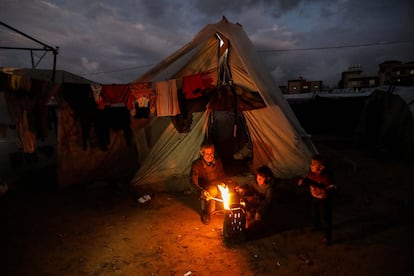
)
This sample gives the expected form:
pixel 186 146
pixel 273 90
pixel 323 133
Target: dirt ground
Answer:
pixel 101 229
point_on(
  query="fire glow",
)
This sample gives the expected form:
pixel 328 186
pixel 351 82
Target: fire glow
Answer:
pixel 225 195
pixel 234 223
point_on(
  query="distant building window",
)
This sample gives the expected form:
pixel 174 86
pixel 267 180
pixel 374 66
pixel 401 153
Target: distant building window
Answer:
pixel 305 87
pixel 397 72
pixel 316 86
pixel 398 80
pixel 294 87
pixel 412 72
pixel 371 82
pixel 354 83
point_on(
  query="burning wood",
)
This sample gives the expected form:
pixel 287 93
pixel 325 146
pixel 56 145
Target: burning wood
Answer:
pixel 225 195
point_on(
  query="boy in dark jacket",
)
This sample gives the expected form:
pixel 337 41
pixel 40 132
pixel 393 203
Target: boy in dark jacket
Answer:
pixel 321 184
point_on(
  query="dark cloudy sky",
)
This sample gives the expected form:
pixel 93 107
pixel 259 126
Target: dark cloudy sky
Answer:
pixel 115 41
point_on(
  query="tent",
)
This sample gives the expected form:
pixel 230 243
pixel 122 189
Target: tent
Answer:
pixel 386 125
pixel 65 161
pixel 328 113
pixel 276 137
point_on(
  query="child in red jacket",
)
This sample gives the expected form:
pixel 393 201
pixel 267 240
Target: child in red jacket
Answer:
pixel 321 184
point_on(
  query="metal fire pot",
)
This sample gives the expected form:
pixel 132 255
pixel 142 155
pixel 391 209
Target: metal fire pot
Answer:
pixel 234 224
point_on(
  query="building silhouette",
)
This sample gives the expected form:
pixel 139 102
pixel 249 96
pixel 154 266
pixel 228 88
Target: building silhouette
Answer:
pixel 390 72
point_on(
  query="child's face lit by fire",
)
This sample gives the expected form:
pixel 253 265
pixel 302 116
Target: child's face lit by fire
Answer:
pixel 316 166
pixel 261 180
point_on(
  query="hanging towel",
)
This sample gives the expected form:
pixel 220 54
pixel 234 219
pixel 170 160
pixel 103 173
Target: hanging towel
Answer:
pixel 167 99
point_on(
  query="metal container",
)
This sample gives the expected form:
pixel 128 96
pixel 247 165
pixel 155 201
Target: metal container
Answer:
pixel 234 224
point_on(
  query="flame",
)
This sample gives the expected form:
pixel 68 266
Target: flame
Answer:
pixel 225 195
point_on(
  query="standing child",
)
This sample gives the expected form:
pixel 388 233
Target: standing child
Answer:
pixel 321 184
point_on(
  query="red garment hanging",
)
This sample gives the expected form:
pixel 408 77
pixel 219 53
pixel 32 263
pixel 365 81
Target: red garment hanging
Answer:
pixel 113 94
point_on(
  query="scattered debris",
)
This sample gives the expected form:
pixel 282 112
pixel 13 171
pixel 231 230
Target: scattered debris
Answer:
pixel 144 198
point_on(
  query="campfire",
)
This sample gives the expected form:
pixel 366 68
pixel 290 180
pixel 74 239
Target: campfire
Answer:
pixel 225 195
pixel 234 224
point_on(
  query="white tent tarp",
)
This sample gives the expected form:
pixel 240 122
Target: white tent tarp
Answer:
pixel 278 139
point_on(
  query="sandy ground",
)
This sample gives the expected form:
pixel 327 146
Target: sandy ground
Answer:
pixel 101 229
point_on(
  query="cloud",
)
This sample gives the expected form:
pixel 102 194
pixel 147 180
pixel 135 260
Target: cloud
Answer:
pixel 116 41
pixel 89 65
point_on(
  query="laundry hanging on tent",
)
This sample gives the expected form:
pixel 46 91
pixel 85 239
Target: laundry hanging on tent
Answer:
pixel 167 99
pixel 96 90
pixel 210 78
pixel 142 95
pixel 115 118
pixel 192 86
pixel 80 98
pixel 116 94
pixel 140 89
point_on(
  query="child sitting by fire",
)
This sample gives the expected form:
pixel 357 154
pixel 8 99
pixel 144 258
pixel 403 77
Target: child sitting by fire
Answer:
pixel 257 195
